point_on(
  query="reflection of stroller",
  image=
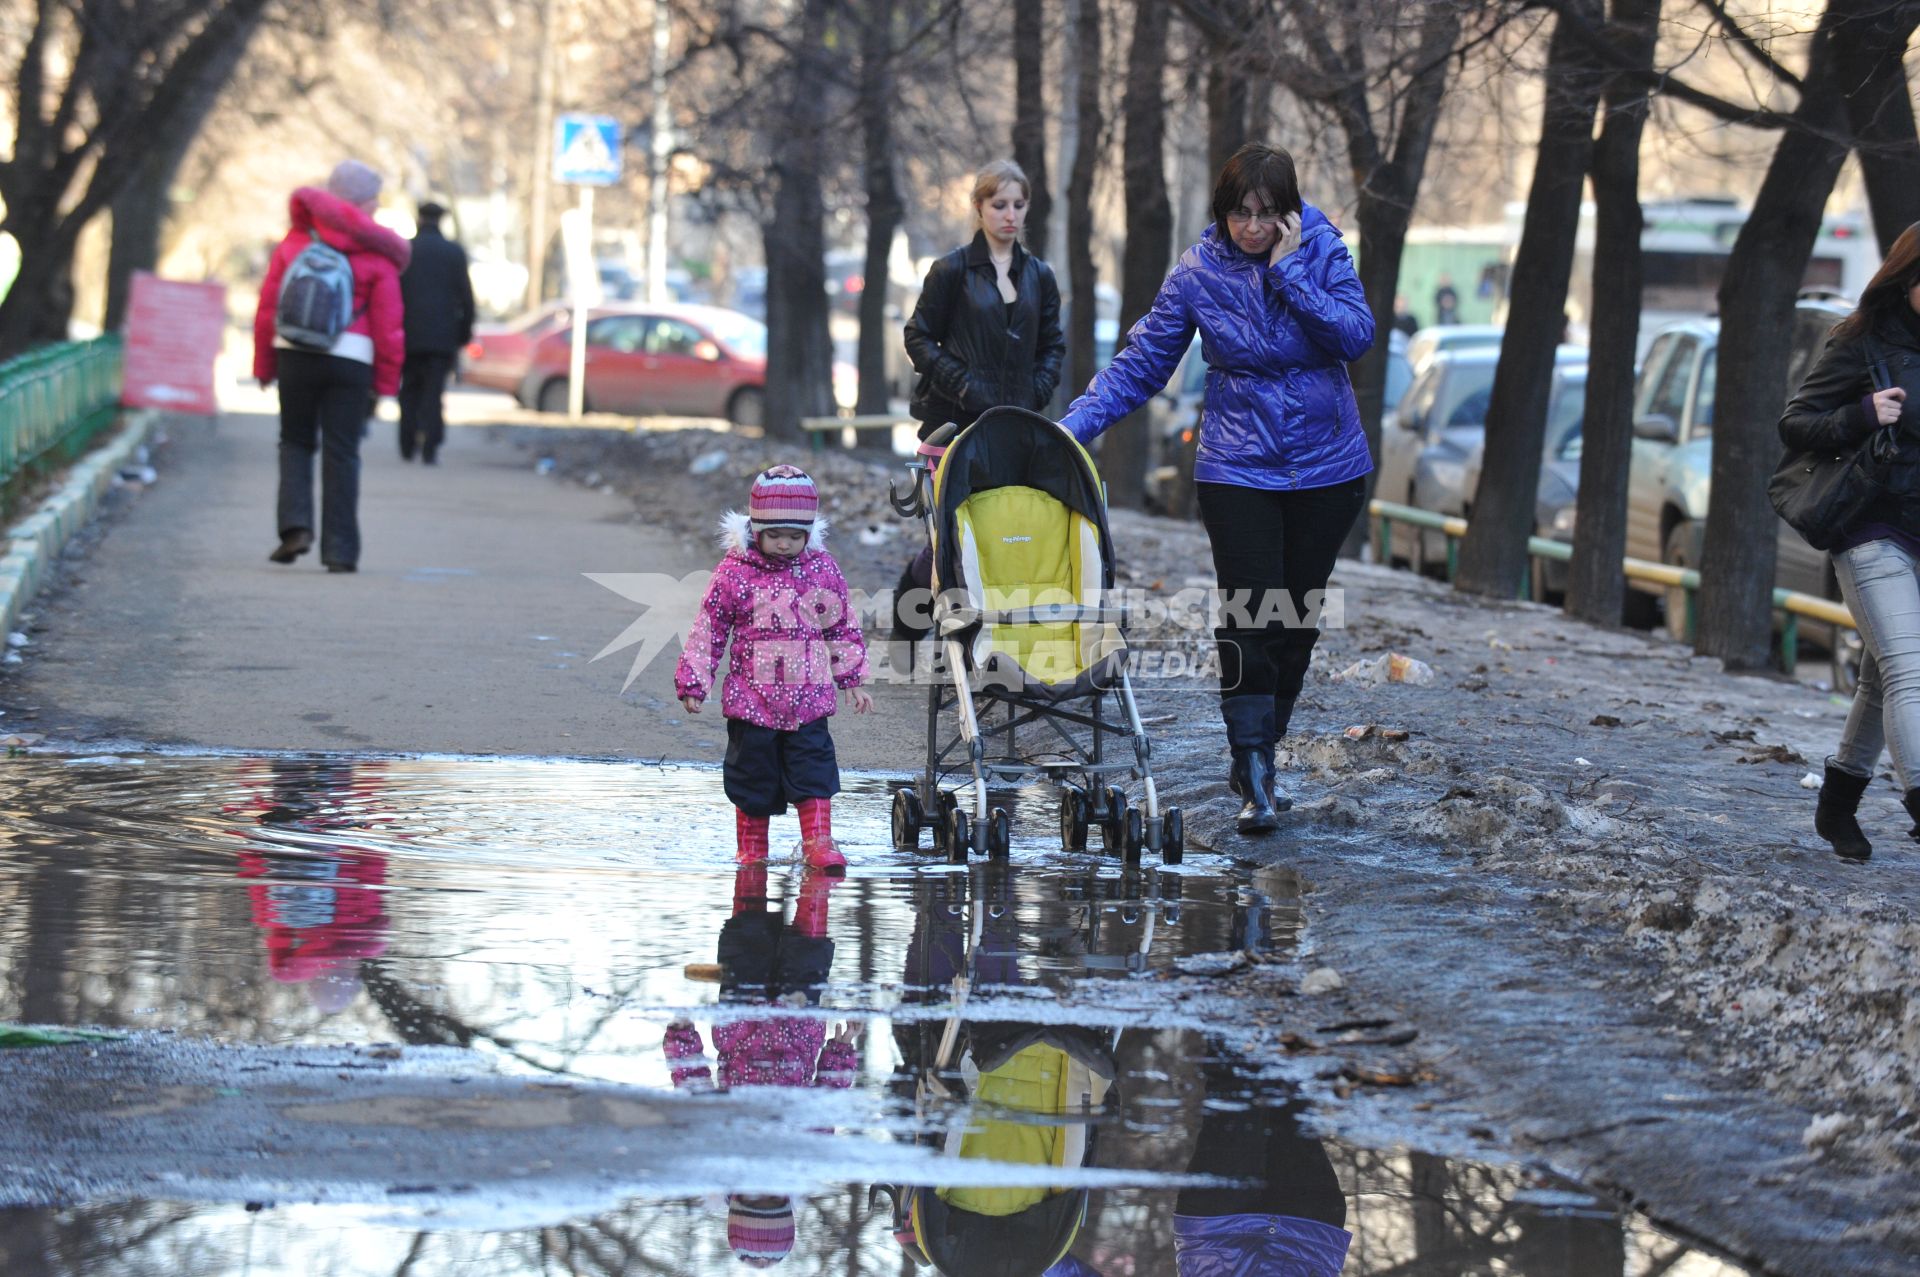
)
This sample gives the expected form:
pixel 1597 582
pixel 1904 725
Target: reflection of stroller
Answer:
pixel 1030 1097
pixel 1027 632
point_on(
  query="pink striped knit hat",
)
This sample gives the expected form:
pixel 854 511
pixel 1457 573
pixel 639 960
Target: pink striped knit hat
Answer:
pixel 783 497
pixel 760 1235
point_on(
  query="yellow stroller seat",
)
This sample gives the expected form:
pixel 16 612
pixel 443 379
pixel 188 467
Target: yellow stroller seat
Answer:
pixel 1025 616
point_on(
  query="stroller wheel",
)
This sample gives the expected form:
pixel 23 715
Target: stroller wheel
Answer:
pixel 1113 824
pixel 999 834
pixel 959 835
pixel 1073 820
pixel 1134 836
pixel 906 820
pixel 1173 836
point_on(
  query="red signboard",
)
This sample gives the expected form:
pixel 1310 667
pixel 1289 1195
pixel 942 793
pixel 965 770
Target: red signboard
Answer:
pixel 174 331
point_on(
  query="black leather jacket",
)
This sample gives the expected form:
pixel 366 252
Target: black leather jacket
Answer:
pixel 1829 413
pixel 972 350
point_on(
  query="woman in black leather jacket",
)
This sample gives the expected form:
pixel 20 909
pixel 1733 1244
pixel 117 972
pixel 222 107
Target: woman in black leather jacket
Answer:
pixel 1876 557
pixel 986 330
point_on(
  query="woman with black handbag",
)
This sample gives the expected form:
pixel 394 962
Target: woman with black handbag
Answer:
pixel 1853 398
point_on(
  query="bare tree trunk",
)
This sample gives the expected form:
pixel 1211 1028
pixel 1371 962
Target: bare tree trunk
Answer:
pixel 1493 558
pixel 39 303
pixel 1227 87
pixel 1082 283
pixel 1596 590
pixel 1734 614
pixel 1126 451
pixel 1880 112
pixel 799 347
pixel 884 209
pixel 140 210
pixel 127 83
pixel 1388 186
pixel 1030 114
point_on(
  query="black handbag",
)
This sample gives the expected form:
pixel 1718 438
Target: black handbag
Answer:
pixel 1821 493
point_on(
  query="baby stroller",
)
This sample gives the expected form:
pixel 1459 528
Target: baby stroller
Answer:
pixel 1030 648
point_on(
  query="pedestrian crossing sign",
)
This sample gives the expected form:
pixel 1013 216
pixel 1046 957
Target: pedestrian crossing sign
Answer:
pixel 586 150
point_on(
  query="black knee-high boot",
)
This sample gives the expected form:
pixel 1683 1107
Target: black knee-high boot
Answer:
pixel 1250 737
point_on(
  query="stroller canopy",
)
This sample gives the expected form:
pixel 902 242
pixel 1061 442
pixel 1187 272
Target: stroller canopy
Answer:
pixel 1020 523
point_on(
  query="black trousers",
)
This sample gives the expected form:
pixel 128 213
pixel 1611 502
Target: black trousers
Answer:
pixel 324 403
pixel 1267 541
pixel 423 380
pixel 763 958
pixel 767 768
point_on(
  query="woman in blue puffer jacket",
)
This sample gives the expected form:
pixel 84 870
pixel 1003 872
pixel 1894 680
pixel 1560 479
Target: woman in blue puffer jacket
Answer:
pixel 1282 462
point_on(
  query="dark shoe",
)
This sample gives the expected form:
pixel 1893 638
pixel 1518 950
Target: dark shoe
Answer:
pixel 1254 769
pixel 342 567
pixel 1834 818
pixel 1912 804
pixel 428 459
pixel 294 542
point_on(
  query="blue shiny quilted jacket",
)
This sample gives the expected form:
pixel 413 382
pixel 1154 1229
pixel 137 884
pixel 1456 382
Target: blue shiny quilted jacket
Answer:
pixel 1279 411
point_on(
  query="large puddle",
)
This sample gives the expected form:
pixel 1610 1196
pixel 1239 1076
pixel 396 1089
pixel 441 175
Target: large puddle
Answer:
pixel 1046 1030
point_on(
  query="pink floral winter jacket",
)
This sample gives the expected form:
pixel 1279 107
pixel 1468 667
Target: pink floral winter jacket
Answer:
pixel 774 1050
pixel 794 636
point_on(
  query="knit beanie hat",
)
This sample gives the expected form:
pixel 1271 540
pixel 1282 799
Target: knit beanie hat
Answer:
pixel 354 182
pixel 783 497
pixel 761 1236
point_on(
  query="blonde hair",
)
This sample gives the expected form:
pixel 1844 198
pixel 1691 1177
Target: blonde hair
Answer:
pixel 995 175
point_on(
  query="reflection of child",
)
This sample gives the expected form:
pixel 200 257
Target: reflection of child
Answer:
pixel 767 961
pixel 781 600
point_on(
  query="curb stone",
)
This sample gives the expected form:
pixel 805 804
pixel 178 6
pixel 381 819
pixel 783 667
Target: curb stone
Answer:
pixel 35 542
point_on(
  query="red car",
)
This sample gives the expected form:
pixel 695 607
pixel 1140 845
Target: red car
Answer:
pixel 669 360
pixel 500 354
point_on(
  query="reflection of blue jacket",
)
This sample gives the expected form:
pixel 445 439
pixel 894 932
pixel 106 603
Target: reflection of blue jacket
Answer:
pixel 1071 1267
pixel 1280 412
pixel 1258 1246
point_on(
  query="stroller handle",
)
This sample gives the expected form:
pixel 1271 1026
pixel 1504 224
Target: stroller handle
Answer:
pixel 908 505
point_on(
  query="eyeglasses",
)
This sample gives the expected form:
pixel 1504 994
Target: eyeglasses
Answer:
pixel 1240 217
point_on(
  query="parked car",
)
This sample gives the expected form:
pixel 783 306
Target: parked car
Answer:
pixel 685 361
pixel 1430 442
pixel 1554 505
pixel 499 355
pixel 1428 342
pixel 1667 485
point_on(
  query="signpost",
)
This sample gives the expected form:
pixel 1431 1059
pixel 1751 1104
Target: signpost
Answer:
pixel 586 154
pixel 174 329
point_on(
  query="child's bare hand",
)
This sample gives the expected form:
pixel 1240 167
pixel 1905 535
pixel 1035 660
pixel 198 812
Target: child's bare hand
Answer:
pixel 852 1032
pixel 861 700
pixel 690 703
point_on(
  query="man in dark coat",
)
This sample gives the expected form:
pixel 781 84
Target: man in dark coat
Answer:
pixel 439 316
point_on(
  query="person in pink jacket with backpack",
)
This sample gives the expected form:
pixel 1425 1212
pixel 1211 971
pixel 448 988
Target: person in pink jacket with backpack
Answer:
pixel 329 329
pixel 780 599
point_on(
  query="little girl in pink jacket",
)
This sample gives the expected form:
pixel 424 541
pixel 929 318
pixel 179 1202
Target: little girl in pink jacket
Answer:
pixel 780 600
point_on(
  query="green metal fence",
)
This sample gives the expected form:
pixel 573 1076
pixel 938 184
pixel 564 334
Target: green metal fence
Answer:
pixel 53 400
pixel 1681 583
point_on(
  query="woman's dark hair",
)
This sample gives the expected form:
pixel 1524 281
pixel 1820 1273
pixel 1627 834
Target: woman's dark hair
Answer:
pixel 1256 167
pixel 1888 288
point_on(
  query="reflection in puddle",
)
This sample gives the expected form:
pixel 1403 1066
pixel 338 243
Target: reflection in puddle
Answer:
pixel 1016 1022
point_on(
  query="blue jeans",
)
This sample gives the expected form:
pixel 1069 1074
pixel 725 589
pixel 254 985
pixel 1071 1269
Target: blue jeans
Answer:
pixel 1881 585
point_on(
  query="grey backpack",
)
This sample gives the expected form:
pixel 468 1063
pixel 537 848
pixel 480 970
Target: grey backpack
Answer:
pixel 316 297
